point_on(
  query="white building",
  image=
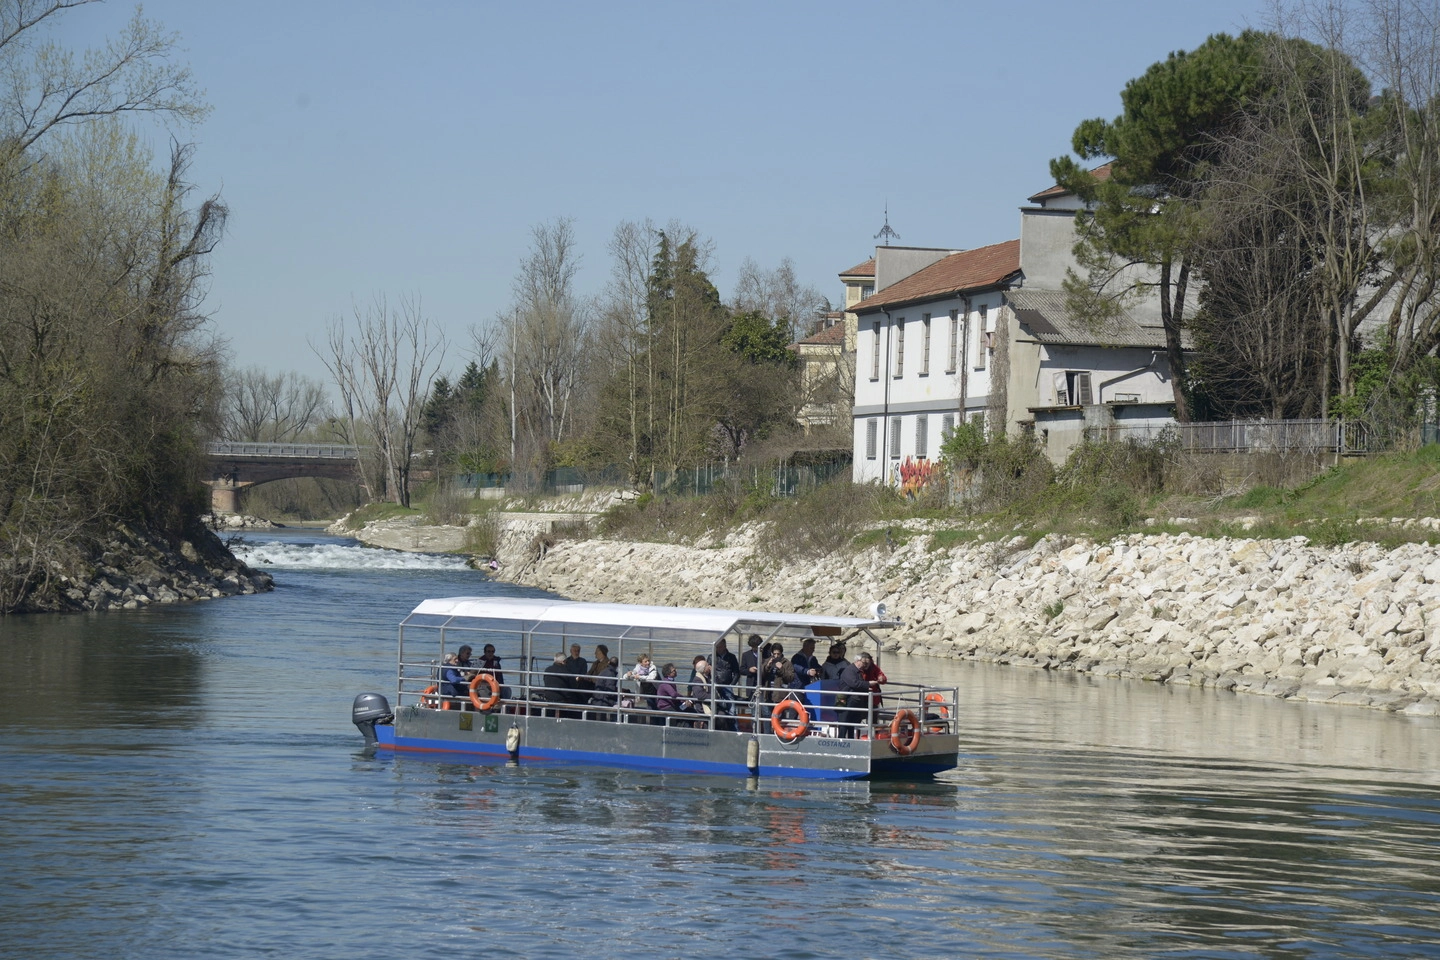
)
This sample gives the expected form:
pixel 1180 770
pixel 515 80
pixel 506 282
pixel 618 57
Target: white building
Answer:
pixel 985 334
pixel 924 350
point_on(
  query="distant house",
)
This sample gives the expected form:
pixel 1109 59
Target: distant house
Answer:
pixel 827 374
pixel 924 350
pixel 1065 376
pixel 984 336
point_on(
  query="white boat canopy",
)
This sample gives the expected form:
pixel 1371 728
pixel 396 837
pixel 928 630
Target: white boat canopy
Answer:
pixel 717 622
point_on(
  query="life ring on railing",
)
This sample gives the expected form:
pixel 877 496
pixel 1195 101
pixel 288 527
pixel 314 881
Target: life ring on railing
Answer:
pixel 944 713
pixel 489 704
pixel 433 702
pixel 789 734
pixel 898 743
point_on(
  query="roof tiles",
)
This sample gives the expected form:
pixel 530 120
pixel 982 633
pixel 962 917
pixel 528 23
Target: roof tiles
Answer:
pixel 967 270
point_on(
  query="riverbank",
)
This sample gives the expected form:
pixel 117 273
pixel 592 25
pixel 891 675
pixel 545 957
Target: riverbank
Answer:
pixel 1357 624
pixel 130 568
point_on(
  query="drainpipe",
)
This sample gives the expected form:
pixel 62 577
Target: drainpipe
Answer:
pixel 884 450
pixel 964 361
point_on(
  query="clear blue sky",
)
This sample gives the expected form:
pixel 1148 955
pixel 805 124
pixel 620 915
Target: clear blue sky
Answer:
pixel 371 147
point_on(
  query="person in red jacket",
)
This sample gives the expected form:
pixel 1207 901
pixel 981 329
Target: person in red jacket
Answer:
pixel 872 673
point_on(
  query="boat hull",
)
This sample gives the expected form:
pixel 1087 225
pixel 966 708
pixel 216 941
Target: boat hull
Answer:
pixel 671 748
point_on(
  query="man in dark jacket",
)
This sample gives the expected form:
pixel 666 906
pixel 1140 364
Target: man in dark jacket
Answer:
pixel 807 668
pixel 851 684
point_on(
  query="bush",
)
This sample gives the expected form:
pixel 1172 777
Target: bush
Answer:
pixel 823 521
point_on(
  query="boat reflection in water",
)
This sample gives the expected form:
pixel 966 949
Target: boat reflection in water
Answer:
pixel 822 731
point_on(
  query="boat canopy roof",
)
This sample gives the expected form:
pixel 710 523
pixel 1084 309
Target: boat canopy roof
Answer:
pixel 540 610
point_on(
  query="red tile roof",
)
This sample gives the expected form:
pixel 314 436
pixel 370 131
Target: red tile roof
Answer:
pixel 967 270
pixel 1101 173
pixel 866 269
pixel 829 337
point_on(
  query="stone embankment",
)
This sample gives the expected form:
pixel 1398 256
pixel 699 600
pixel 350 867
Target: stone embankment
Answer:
pixel 1358 624
pixel 133 568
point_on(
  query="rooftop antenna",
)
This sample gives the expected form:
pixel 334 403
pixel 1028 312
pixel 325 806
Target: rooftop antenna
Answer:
pixel 885 231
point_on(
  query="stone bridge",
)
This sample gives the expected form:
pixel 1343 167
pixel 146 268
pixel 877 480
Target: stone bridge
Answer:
pixel 235 466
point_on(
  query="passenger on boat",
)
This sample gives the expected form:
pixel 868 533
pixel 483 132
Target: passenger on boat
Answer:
pixel 643 670
pixel 873 675
pixel 856 691
pixel 750 665
pixel 645 674
pixel 575 663
pixel 456 679
pixel 607 684
pixel 771 656
pixel 489 663
pixel 806 666
pixel 835 662
pixel 560 684
pixel 601 664
pixel 667 695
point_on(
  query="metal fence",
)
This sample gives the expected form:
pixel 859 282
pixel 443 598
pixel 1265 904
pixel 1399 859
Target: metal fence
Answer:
pixel 781 479
pixel 1261 436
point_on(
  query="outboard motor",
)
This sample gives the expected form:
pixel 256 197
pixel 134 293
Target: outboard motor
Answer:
pixel 368 710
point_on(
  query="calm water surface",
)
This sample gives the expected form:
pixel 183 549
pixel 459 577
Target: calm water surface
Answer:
pixel 186 782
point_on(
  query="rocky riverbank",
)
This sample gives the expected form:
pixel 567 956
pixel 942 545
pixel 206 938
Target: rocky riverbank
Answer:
pixel 130 568
pixel 1356 624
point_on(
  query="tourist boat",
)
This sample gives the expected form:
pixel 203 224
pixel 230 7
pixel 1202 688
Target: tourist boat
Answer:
pixel 522 712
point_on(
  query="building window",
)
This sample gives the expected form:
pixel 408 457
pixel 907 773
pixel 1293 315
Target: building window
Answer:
pixel 982 339
pixel 875 353
pixel 1074 390
pixel 954 341
pixel 947 426
pixel 925 345
pixel 895 425
pixel 872 432
pixel 922 438
pixel 866 291
pixel 899 347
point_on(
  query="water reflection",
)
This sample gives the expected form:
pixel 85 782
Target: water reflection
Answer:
pixel 210 790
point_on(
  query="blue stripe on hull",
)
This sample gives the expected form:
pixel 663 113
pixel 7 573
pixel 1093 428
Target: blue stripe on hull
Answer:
pixel 387 738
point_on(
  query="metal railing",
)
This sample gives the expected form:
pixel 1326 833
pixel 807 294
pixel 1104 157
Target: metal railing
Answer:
pixel 307 451
pixel 1256 436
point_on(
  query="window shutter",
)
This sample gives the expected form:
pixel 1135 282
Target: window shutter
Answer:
pixel 895 424
pixel 922 439
pixel 872 432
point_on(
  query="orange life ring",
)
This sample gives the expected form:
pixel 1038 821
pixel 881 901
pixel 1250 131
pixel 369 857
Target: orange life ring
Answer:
pixel 433 702
pixel 944 712
pixel 897 743
pixel 494 692
pixel 789 734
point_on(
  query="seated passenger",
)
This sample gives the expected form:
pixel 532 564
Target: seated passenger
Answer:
pixel 750 665
pixel 560 684
pixel 667 695
pixel 601 665
pixel 456 679
pixel 489 663
pixel 607 685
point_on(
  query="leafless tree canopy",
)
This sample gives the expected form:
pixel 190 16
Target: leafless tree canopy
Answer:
pixel 261 407
pixel 382 362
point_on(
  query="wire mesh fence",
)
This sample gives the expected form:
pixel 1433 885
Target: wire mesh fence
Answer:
pixel 785 478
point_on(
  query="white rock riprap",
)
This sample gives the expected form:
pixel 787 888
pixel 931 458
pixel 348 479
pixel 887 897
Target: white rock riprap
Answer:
pixel 1358 624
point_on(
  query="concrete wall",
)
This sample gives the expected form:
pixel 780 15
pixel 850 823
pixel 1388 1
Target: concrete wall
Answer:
pixel 1047 242
pixel 893 264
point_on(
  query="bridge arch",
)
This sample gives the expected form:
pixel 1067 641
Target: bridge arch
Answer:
pixel 235 466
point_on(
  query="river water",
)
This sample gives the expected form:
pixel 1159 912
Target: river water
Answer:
pixel 184 781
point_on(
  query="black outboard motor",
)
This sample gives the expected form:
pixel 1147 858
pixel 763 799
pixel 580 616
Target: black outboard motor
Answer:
pixel 368 710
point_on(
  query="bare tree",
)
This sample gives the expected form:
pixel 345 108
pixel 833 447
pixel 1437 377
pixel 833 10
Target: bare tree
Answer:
pixel 779 295
pixel 264 407
pixel 545 339
pixel 383 370
pixel 43 86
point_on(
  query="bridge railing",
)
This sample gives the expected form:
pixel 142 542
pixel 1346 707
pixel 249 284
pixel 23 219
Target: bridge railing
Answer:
pixel 309 451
